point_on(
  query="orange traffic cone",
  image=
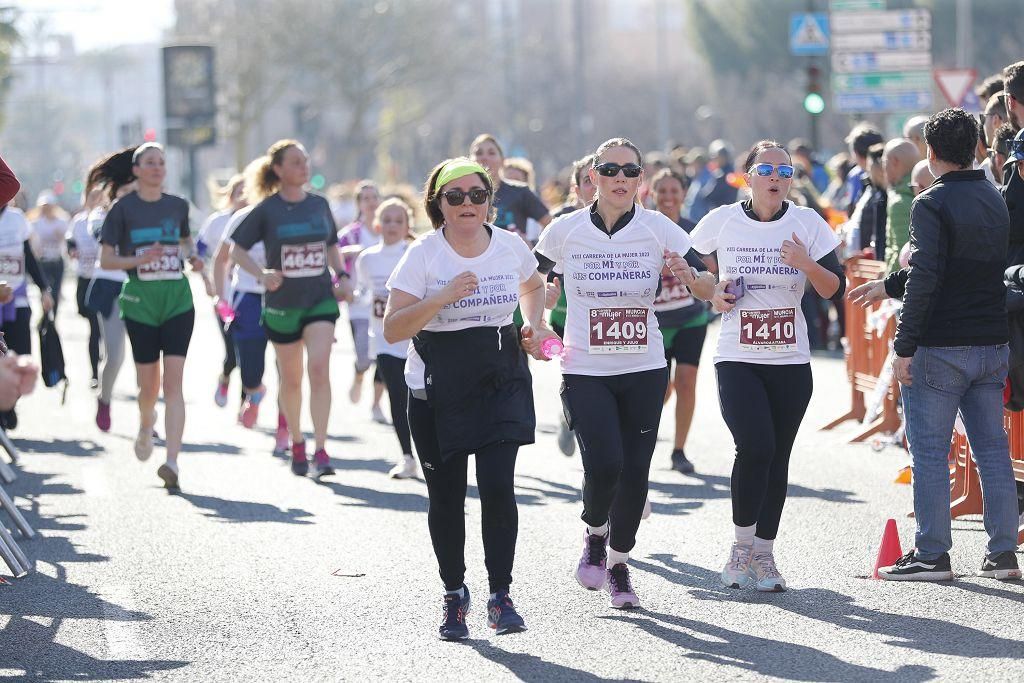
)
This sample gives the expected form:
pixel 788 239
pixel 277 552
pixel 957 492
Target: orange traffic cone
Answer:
pixel 890 550
pixel 904 476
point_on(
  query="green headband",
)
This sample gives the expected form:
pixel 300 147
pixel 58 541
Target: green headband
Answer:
pixel 455 169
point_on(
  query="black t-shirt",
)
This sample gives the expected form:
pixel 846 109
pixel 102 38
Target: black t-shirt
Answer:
pixel 514 203
pixel 1013 194
pixel 133 224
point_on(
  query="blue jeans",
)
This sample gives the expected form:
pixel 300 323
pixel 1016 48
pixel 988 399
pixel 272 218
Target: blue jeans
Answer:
pixel 969 379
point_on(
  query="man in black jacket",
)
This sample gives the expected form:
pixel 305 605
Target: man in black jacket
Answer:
pixel 951 349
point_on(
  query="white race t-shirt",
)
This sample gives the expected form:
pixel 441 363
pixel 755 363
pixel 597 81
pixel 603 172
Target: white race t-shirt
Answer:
pixel 49 234
pixel 361 234
pixel 767 325
pixel 95 225
pixel 210 235
pixel 372 270
pixel 14 230
pixel 241 280
pixel 85 244
pixel 610 283
pixel 430 263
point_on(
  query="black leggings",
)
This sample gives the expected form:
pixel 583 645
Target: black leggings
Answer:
pixel 446 516
pixel 18 332
pixel 230 361
pixel 392 371
pixel 616 421
pixel 252 360
pixel 763 406
pixel 94 325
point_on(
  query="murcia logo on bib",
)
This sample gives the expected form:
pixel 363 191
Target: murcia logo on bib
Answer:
pixel 618 330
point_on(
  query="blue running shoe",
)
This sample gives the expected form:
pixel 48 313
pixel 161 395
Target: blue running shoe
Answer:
pixel 453 627
pixel 502 615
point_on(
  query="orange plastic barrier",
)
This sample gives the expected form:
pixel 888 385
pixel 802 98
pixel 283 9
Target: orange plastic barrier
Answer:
pixel 965 487
pixel 866 354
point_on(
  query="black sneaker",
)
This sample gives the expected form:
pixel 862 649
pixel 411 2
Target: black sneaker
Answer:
pixel 1001 566
pixel 453 626
pixel 912 568
pixel 680 463
pixel 502 615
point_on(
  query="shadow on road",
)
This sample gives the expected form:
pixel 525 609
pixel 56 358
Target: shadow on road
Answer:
pixel 28 642
pixel 82 448
pixel 773 658
pixel 244 511
pixel 385 500
pixel 922 634
pixel 529 667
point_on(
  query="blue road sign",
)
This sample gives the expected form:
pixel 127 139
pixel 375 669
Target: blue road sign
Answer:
pixel 808 34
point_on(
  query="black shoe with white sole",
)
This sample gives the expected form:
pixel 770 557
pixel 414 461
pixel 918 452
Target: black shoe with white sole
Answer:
pixel 912 568
pixel 1001 566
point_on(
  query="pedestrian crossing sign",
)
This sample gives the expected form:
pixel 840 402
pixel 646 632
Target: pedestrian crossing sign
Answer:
pixel 808 34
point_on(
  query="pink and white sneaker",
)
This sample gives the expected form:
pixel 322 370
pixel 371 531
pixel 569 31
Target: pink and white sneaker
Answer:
pixel 620 588
pixel 590 572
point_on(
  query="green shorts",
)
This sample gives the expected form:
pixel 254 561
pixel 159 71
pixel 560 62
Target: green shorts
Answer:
pixel 154 303
pixel 285 325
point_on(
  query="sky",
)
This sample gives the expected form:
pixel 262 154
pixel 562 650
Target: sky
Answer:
pixel 98 24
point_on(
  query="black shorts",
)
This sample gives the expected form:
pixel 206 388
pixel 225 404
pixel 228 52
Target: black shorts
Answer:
pixel 172 338
pixel 686 346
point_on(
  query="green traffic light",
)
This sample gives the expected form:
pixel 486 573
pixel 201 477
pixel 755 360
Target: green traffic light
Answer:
pixel 814 103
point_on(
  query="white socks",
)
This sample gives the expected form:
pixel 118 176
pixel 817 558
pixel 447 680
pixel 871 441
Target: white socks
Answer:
pixel 461 592
pixel 745 534
pixel 763 546
pixel 615 557
pixel 598 530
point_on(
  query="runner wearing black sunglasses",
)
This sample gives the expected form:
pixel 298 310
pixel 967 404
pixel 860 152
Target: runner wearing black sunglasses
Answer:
pixel 763 356
pixel 613 368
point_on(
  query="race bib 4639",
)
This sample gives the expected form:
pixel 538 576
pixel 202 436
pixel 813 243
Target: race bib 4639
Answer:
pixel 167 267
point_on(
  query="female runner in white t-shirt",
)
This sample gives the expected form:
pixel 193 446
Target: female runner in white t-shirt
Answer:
pixel 613 368
pixel 454 293
pixel 763 357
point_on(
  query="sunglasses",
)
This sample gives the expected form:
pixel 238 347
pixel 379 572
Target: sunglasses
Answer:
pixel 765 170
pixel 457 197
pixel 610 170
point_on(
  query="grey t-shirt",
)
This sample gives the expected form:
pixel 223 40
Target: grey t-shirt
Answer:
pixel 133 224
pixel 297 237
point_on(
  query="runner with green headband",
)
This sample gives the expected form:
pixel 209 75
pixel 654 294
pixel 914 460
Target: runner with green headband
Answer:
pixel 147 234
pixel 300 305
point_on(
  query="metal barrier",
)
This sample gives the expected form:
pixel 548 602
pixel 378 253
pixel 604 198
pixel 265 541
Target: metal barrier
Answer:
pixel 867 354
pixel 7 475
pixel 11 554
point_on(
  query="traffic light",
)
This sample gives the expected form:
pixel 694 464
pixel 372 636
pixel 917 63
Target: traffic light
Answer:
pixel 814 103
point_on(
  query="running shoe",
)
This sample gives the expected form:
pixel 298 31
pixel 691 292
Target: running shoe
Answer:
pixel 378 416
pixel 220 397
pixel 169 473
pixel 453 624
pixel 144 445
pixel 103 415
pixel 680 463
pixel 404 469
pixel 281 442
pixel 300 466
pixel 566 439
pixel 590 572
pixel 322 464
pixel 94 384
pixel 502 615
pixel 620 588
pixel 251 408
pixel 769 580
pixel 1002 566
pixel 738 573
pixel 912 568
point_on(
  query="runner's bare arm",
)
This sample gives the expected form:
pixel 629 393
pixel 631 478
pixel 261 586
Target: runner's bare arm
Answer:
pixel 109 259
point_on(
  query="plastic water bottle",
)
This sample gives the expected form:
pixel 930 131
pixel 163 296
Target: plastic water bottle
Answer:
pixel 552 348
pixel 226 313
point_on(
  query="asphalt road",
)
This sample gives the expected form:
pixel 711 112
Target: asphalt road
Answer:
pixel 254 574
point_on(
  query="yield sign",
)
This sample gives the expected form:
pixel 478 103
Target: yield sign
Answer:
pixel 954 83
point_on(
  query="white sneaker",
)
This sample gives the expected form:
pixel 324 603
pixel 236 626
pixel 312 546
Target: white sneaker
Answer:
pixel 144 445
pixel 738 573
pixel 404 469
pixel 769 580
pixel 378 416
